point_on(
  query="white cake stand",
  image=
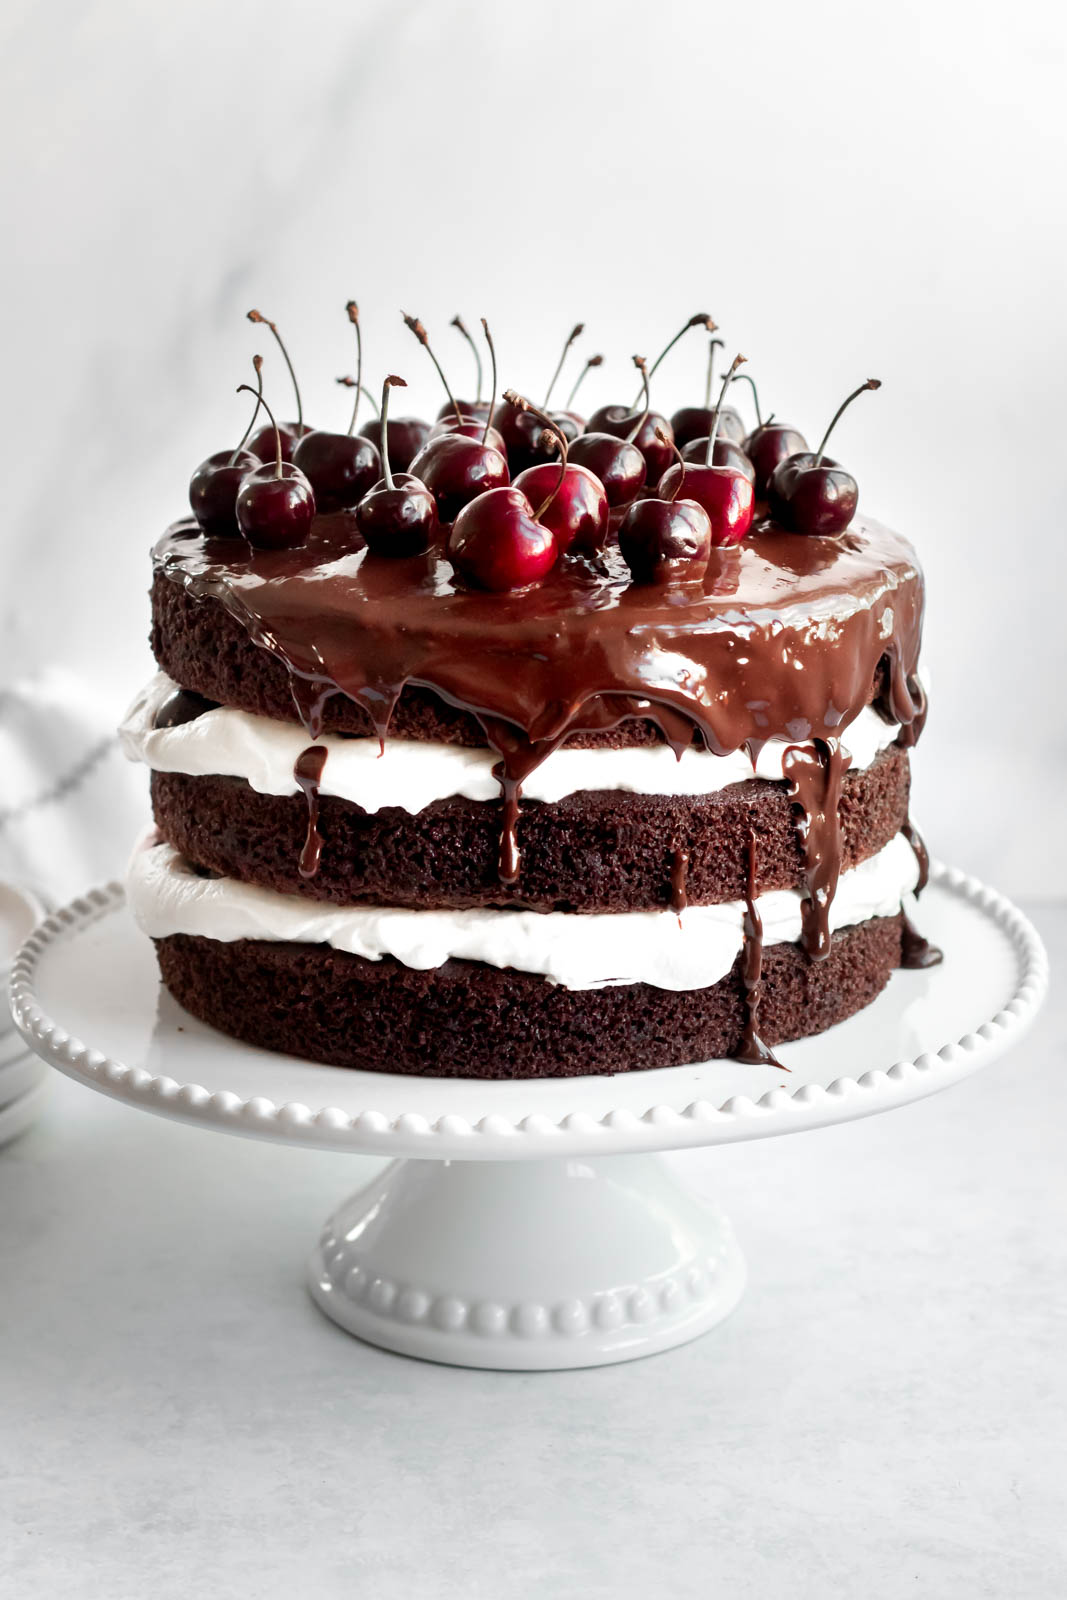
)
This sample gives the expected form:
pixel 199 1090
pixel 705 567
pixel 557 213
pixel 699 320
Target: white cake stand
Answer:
pixel 526 1224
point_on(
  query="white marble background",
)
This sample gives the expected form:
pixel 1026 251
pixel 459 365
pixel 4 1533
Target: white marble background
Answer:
pixel 848 189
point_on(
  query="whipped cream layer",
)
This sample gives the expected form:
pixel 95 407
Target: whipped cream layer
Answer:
pixel 411 774
pixel 662 948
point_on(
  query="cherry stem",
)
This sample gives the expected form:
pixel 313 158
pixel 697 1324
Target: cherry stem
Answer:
pixel 682 462
pixel 257 362
pixel 421 335
pixel 457 322
pixel 594 361
pixel 872 383
pixel 709 459
pixel 246 388
pixel 492 397
pixel 257 316
pixel 642 365
pixel 713 345
pixel 701 320
pixel 350 383
pixel 552 431
pixel 755 396
pixel 390 383
pixel 353 317
pixel 575 333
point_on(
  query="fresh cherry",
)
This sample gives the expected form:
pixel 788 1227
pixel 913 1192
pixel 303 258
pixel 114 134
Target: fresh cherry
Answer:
pixel 726 453
pixel 407 435
pixel 398 517
pixel 575 505
pixel 498 544
pixel 275 503
pixel 654 437
pixel 264 443
pixel 455 468
pixel 665 539
pixel 696 422
pixel 471 428
pixel 811 494
pixel 725 492
pixel 618 463
pixel 769 444
pixel 340 467
pixel 214 485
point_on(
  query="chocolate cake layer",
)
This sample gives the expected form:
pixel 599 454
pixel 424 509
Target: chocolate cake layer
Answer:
pixel 594 851
pixel 466 1020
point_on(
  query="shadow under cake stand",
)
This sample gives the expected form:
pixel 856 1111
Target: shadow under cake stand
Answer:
pixel 528 1224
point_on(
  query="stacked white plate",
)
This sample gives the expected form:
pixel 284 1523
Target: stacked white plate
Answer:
pixel 22 1074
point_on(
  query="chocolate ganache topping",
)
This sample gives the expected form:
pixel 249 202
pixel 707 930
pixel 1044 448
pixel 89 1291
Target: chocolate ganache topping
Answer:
pixel 785 636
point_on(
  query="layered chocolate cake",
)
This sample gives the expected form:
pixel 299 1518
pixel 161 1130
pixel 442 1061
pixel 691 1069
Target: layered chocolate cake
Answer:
pixel 538 778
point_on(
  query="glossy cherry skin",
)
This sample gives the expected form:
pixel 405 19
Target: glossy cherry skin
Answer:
pixel 578 514
pixel 769 445
pixel 619 466
pixel 813 499
pixel 340 467
pixel 725 494
pixel 496 543
pixel 619 421
pixel 696 422
pixel 213 490
pixel 407 435
pixel 727 453
pixel 398 521
pixel 661 540
pixel 262 445
pixel 275 513
pixel 455 469
pixel 470 427
pixel 521 432
pixel 478 410
pixel 569 423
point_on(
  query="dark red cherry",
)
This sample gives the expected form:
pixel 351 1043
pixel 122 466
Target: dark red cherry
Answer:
pixel 522 433
pixel 726 453
pixel 398 520
pixel 261 443
pixel 340 467
pixel 275 510
pixel 661 540
pixel 213 489
pixel 496 542
pixel 696 422
pixel 578 511
pixel 474 410
pixel 767 446
pixel 725 494
pixel 398 517
pixel 619 466
pixel 455 469
pixel 569 423
pixel 471 427
pixel 812 494
pixel 275 503
pixel 649 438
pixel 407 435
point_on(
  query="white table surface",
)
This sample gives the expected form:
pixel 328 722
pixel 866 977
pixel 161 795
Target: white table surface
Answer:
pixel 886 1413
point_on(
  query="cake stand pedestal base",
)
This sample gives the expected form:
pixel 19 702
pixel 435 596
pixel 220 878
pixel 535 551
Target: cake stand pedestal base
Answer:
pixel 530 1265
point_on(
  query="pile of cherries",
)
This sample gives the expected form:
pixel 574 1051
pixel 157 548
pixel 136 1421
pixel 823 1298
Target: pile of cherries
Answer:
pixel 509 487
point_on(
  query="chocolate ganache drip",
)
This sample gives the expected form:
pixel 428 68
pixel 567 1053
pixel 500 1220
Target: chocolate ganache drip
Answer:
pixel 752 1049
pixel 308 774
pixel 785 636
